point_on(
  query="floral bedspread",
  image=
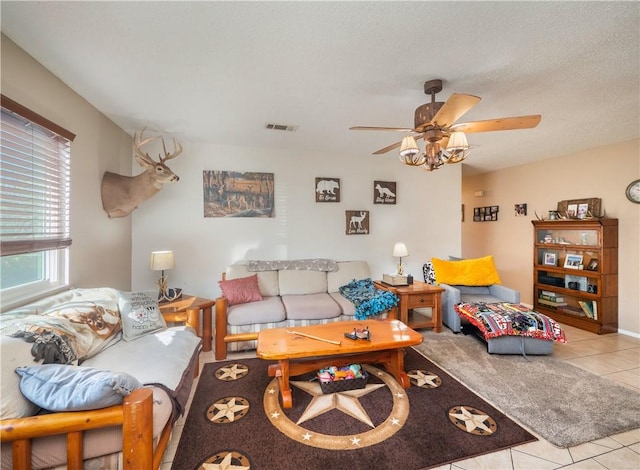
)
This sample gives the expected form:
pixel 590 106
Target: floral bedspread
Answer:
pixel 368 299
pixel 507 319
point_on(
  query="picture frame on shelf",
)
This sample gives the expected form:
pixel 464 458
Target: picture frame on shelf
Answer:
pixel 593 265
pixel 588 208
pixel 573 261
pixel 550 258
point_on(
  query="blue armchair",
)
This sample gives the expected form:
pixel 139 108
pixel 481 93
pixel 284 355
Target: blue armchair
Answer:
pixel 453 295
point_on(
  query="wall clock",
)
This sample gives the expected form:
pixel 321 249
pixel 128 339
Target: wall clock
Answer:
pixel 633 191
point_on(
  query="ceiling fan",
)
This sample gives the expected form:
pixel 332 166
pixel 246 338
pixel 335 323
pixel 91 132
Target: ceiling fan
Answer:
pixel 445 140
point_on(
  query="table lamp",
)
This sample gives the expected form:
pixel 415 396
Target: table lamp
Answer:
pixel 161 261
pixel 400 250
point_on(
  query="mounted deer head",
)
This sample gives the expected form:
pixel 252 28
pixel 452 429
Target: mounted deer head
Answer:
pixel 121 195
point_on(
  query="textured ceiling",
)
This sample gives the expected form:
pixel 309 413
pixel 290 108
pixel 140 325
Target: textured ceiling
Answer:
pixel 219 71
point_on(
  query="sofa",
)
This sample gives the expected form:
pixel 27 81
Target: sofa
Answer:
pixel 92 378
pixel 259 294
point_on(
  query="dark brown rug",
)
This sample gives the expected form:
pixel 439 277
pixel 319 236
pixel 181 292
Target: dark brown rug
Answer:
pixel 236 422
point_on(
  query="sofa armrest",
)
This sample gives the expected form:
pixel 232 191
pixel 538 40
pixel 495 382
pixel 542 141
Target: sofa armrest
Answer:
pixel 505 293
pixel 222 304
pixel 450 297
pixel 135 415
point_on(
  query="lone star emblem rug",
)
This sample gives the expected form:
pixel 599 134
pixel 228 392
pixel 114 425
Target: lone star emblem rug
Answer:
pixel 236 421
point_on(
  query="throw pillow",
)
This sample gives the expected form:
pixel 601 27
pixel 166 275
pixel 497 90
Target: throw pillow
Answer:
pixel 241 290
pixel 428 273
pixel 140 314
pixel 468 272
pixel 59 387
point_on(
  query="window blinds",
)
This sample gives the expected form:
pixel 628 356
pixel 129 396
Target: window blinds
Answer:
pixel 34 186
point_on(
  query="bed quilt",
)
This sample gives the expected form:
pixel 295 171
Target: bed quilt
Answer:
pixel 507 319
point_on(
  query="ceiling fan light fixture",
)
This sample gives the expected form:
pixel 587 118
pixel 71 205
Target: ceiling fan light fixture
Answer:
pixel 457 141
pixel 410 153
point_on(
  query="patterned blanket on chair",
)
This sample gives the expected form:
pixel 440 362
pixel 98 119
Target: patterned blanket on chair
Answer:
pixel 507 319
pixel 368 299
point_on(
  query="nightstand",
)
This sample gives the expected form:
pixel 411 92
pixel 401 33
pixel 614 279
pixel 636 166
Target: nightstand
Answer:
pixel 187 310
pixel 414 297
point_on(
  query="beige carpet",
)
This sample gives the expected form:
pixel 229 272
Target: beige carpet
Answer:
pixel 562 403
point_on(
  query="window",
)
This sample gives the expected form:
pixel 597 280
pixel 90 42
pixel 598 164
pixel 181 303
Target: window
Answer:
pixel 34 204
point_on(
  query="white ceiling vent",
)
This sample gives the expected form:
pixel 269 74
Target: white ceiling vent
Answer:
pixel 281 127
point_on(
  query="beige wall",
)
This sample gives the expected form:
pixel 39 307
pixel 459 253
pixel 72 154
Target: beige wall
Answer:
pixel 602 172
pixel 101 251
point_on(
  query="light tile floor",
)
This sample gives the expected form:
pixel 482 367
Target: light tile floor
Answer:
pixel 614 356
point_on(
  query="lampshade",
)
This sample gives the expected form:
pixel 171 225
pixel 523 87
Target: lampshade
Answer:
pixel 400 249
pixel 410 153
pixel 457 141
pixel 161 260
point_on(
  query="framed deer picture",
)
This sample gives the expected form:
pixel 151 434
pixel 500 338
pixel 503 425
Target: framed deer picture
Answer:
pixel 238 194
pixel 357 222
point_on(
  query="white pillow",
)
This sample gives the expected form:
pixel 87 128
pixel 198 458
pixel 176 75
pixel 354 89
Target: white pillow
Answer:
pixel 140 314
pixel 15 352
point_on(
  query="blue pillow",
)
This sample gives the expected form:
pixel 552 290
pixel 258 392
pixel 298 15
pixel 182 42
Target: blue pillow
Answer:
pixel 61 387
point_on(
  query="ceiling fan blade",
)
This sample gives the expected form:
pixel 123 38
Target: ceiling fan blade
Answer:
pixel 366 128
pixel 393 146
pixel 502 124
pixel 454 108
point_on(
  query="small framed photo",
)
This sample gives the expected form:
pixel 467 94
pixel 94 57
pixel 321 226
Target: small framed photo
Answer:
pixel 550 258
pixel 573 261
pixel 593 265
pixel 520 209
pixel 327 189
pixel 384 192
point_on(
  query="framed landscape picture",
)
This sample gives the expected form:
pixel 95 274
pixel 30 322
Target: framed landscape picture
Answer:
pixel 238 194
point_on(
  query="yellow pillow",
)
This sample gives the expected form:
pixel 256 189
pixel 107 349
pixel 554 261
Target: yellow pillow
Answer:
pixel 468 272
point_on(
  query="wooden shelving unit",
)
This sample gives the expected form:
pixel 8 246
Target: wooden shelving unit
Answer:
pixel 575 272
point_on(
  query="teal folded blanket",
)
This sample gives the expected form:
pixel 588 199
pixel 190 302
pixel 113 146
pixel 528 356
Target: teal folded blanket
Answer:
pixel 368 299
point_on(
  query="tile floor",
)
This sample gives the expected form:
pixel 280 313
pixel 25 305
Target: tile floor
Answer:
pixel 614 356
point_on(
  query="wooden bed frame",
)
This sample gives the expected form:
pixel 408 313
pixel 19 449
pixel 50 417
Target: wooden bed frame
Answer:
pixel 135 416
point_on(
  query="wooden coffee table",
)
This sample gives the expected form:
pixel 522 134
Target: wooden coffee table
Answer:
pixel 298 354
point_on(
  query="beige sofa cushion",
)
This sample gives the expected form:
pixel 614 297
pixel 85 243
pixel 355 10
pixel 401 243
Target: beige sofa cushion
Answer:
pixel 347 307
pixel 298 282
pixel 269 310
pixel 267 280
pixel 347 272
pixel 310 307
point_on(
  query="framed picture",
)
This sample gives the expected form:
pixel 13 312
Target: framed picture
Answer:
pixel 593 264
pixel 520 209
pixel 357 222
pixel 550 258
pixel 573 261
pixel 327 189
pixel 238 194
pixel 384 192
pixel 580 208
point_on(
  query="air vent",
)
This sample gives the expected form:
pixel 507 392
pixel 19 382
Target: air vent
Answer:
pixel 281 127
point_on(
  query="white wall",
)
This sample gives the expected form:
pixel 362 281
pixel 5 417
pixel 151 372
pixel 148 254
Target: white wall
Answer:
pixel 602 172
pixel 426 216
pixel 101 251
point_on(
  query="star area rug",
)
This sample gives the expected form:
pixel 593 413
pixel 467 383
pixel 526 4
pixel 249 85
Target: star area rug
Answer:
pixel 236 421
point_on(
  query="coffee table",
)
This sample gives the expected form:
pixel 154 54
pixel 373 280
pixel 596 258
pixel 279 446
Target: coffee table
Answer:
pixel 299 350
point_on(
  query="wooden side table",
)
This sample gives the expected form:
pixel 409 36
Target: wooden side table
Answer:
pixel 418 295
pixel 187 310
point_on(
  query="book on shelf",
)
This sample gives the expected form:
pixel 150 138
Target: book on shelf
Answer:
pixel 590 308
pixel 548 294
pixel 553 298
pixel 570 310
pixel 551 303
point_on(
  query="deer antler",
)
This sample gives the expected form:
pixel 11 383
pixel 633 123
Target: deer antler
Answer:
pixel 168 156
pixel 138 143
pixel 537 216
